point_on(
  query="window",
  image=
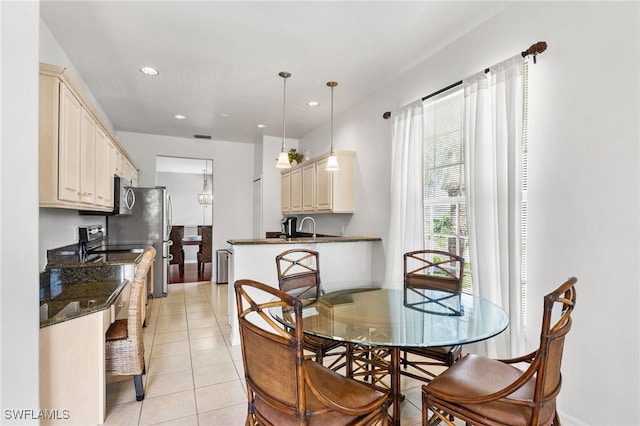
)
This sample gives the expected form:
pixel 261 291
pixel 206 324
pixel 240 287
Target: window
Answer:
pixel 444 189
pixel 445 219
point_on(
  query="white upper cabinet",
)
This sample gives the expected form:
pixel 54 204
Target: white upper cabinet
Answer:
pixel 70 146
pixel 78 152
pixel 309 188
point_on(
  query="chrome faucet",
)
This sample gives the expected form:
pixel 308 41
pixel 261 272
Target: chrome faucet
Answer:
pixel 314 225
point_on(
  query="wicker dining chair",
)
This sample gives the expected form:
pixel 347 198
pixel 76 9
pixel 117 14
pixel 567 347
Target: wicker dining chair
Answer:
pixel 283 386
pixel 432 270
pixel 177 249
pixel 124 348
pixel 299 275
pixel 484 391
pixel 204 254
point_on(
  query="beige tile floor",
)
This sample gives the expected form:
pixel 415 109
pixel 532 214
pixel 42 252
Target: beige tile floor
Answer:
pixel 194 377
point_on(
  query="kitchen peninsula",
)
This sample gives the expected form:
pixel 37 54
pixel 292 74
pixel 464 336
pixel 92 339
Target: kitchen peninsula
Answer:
pixel 341 259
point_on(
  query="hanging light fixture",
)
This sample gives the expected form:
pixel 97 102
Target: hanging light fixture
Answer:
pixel 332 162
pixel 205 197
pixel 283 157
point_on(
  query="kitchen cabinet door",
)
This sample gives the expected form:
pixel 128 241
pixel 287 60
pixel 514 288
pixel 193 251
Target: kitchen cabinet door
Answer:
pixel 129 172
pixel 88 160
pixel 101 164
pixel 309 187
pixel 334 190
pixel 111 169
pixel 285 192
pixel 324 185
pixel 296 190
pixel 70 145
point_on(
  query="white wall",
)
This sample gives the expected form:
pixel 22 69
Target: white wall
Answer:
pixel 184 189
pixel 19 328
pixel 232 176
pixel 271 213
pixel 584 184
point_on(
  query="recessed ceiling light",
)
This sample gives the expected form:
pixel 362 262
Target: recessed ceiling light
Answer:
pixel 313 103
pixel 149 71
pixel 179 116
pixel 223 115
pixel 261 126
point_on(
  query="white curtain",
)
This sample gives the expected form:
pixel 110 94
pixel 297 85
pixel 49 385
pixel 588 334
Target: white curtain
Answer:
pixel 493 151
pixel 406 231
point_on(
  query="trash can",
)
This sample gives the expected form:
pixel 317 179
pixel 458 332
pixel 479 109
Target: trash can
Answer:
pixel 222 266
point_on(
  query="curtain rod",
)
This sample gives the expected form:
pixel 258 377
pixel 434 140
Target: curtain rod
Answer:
pixel 534 49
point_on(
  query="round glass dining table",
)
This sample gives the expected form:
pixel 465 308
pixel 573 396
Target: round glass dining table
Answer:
pixel 367 315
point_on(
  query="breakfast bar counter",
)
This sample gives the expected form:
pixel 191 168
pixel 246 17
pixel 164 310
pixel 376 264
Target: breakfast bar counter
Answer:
pixel 303 240
pixel 340 258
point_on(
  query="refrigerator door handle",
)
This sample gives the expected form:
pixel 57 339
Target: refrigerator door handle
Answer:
pixel 169 214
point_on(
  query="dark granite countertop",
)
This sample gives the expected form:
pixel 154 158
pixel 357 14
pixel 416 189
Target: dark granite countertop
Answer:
pixel 78 299
pixel 70 258
pixel 72 286
pixel 304 240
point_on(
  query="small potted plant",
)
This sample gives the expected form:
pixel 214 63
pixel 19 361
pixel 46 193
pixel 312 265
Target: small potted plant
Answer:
pixel 295 157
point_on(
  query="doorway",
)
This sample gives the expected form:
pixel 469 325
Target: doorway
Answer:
pixel 189 182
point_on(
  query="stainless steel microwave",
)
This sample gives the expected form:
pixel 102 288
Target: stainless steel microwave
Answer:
pixel 123 199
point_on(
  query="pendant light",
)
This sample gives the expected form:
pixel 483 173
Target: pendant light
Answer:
pixel 332 162
pixel 283 157
pixel 205 197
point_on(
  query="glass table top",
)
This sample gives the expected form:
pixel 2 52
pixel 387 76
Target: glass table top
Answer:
pixel 371 315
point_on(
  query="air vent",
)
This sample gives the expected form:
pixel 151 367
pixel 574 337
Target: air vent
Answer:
pixel 202 136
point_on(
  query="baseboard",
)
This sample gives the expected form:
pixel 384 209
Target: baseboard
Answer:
pixel 568 420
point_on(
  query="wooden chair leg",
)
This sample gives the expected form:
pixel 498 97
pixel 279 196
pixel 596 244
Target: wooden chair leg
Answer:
pixel 137 381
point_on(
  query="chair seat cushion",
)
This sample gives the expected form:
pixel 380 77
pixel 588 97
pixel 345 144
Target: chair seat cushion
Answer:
pixel 117 330
pixel 447 354
pixel 348 392
pixel 475 375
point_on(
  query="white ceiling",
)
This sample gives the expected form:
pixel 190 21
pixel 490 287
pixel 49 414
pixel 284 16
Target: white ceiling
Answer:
pixel 223 57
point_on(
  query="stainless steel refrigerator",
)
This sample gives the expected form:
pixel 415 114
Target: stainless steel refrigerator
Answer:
pixel 148 223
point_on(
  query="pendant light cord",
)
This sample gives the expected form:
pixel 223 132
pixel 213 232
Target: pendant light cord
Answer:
pixel 284 76
pixel 284 103
pixel 331 120
pixel 332 84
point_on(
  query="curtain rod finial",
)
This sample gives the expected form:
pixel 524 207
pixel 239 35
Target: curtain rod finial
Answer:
pixel 535 48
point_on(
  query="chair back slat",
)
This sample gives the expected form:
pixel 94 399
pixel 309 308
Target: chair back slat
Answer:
pixel 433 282
pixel 433 269
pixel 299 273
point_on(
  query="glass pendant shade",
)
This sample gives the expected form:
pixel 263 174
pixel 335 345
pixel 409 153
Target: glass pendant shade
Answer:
pixel 332 162
pixel 283 158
